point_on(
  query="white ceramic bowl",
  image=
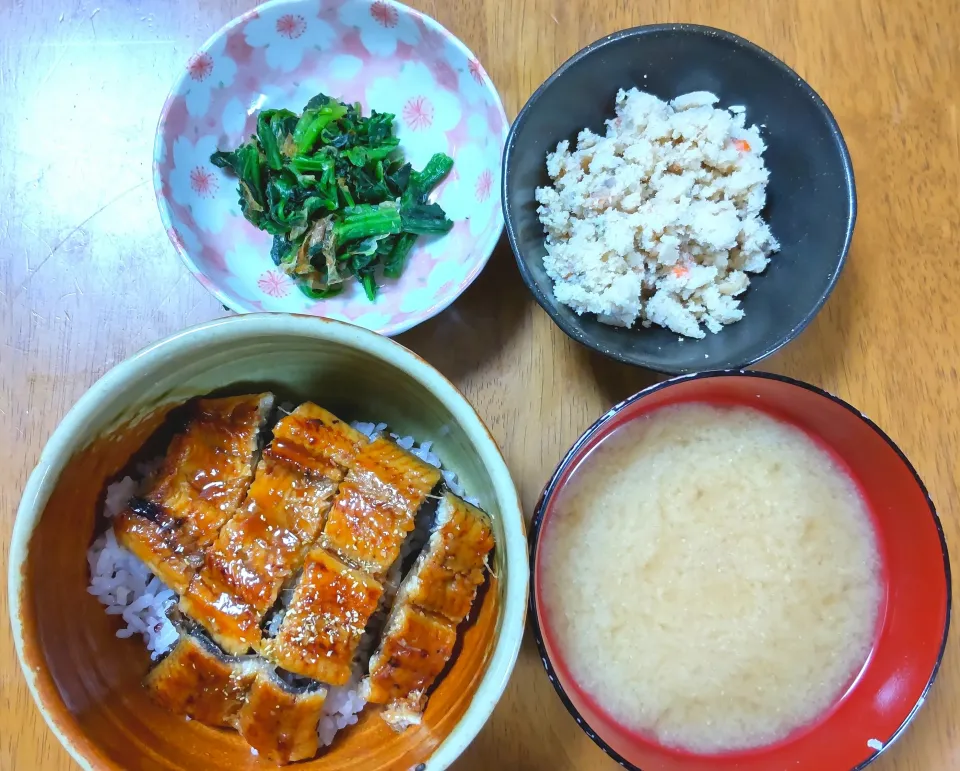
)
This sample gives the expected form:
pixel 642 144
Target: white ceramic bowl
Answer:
pixel 382 54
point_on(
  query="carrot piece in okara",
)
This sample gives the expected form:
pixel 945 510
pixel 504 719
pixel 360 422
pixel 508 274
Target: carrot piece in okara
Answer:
pixel 742 145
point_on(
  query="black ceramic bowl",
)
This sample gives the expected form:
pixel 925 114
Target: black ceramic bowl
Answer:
pixel 811 200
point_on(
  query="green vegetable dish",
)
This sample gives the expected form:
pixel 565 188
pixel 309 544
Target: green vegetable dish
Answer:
pixel 334 191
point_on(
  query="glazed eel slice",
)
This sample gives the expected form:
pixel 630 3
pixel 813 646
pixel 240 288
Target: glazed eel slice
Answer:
pixel 321 629
pixel 433 600
pixel 266 542
pixel 198 680
pixel 279 719
pixel 376 506
pixel 341 585
pixel 205 475
pixel 452 566
pixel 275 717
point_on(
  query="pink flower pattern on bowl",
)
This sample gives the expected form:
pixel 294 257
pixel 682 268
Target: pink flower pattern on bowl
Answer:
pixel 384 13
pixel 484 183
pixel 387 57
pixel 291 26
pixel 200 67
pixel 418 113
pixel 274 283
pixel 476 71
pixel 371 19
pixel 203 182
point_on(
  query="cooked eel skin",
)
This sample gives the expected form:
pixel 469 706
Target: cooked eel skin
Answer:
pixel 204 477
pixel 280 722
pixel 197 680
pixel 374 510
pixel 326 618
pixel 445 578
pixel 266 542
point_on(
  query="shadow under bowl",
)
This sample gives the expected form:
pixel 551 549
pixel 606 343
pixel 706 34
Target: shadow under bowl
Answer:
pixel 914 615
pixel 811 199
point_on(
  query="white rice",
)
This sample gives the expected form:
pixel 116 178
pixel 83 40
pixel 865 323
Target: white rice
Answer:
pixel 341 709
pixel 369 430
pixel 273 626
pixel 125 585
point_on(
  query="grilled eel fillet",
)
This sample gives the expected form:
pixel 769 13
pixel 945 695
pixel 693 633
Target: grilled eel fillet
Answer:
pixel 267 540
pixel 204 477
pixel 433 599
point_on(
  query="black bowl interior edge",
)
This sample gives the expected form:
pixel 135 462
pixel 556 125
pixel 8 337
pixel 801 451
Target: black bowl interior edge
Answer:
pixel 811 198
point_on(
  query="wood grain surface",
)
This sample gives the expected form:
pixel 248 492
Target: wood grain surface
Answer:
pixel 87 275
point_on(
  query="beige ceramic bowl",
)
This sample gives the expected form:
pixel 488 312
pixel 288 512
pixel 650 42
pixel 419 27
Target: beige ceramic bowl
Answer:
pixel 87 682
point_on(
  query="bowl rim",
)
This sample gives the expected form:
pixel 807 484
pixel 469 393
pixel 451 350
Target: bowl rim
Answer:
pixel 71 435
pixel 410 320
pixel 652 362
pixel 551 487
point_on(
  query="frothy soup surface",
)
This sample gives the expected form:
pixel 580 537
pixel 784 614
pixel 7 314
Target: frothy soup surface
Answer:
pixel 712 578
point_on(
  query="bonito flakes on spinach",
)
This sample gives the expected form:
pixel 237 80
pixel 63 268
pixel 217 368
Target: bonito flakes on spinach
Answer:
pixel 334 191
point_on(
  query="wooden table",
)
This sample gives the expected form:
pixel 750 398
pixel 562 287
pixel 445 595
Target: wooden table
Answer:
pixel 87 275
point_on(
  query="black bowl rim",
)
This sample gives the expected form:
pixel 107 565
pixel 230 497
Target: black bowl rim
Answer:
pixel 550 488
pixel 651 362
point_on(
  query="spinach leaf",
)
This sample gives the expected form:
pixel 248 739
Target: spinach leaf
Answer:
pixel 396 260
pixel 283 250
pixel 424 218
pixel 312 123
pixel 332 188
pixel 268 140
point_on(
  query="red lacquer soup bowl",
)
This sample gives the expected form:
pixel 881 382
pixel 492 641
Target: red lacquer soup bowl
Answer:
pixel 914 616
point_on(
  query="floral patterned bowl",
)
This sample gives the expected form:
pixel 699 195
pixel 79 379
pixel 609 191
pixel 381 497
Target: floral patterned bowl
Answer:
pixel 387 57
